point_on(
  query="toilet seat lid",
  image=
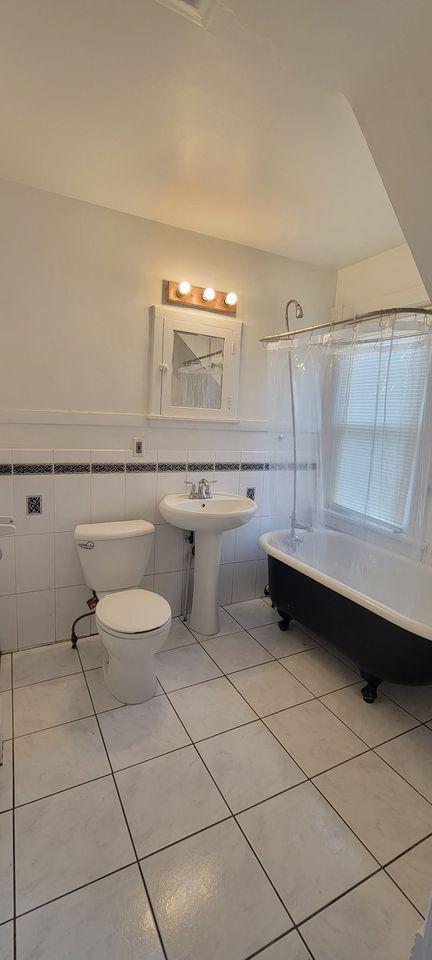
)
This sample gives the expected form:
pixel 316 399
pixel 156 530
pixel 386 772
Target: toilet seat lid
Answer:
pixel 133 611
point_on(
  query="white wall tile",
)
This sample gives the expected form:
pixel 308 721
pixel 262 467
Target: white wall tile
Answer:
pixel 7 565
pixel 169 585
pixel 8 623
pixel 34 562
pixel 246 544
pixel 261 577
pixel 228 546
pixel 68 455
pixel 172 456
pixel 225 583
pixel 107 497
pixel 227 481
pixel 244 581
pixel 33 455
pixel 147 582
pixel 169 483
pixel 71 602
pixel 67 567
pixel 36 614
pixel 253 478
pixel 71 501
pixel 6 496
pixel 148 456
pixel 28 486
pixel 140 503
pixel 169 548
pixel 266 525
pixel 109 456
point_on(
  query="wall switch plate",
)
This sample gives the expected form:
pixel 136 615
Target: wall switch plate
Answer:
pixel 138 446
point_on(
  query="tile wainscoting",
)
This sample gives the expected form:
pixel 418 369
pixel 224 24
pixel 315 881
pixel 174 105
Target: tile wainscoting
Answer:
pixel 41 583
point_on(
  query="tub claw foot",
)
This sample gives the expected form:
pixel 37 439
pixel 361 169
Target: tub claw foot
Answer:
pixel 284 623
pixel 369 692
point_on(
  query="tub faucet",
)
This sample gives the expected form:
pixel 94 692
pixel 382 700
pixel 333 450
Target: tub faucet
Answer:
pixel 303 526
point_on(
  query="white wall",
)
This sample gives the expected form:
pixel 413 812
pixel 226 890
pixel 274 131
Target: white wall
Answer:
pixel 390 279
pixel 76 282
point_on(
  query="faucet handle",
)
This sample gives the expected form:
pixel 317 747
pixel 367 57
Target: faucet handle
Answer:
pixel 192 486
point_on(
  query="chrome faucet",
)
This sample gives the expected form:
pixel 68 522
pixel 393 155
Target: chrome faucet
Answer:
pixel 303 526
pixel 203 492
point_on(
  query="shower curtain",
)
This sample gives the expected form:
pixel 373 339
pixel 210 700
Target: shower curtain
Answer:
pixel 357 456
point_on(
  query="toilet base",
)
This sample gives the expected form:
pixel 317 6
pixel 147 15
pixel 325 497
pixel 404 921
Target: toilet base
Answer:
pixel 128 684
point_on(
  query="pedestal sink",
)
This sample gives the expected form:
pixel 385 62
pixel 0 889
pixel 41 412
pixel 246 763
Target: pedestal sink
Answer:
pixel 208 519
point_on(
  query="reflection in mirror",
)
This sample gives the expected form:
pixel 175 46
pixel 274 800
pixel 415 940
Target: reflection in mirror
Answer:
pixel 197 370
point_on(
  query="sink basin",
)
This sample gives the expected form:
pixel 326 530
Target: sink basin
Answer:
pixel 224 511
pixel 209 519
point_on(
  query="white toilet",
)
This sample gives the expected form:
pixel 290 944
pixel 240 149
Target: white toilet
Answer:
pixel 132 623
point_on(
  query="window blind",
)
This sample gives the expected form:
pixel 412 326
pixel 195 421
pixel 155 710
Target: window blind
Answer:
pixel 376 419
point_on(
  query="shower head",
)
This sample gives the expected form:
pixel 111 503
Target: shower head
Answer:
pixel 298 310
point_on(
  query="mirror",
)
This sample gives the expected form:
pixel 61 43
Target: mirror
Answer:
pixel 197 370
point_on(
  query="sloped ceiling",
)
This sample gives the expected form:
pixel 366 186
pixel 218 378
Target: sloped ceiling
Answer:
pixel 242 130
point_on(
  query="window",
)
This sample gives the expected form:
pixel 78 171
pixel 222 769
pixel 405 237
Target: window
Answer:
pixel 195 366
pixel 376 419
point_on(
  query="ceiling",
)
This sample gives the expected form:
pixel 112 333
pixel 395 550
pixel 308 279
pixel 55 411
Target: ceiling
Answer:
pixel 240 129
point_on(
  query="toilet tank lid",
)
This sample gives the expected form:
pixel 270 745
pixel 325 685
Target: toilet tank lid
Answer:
pixel 116 530
pixel 133 611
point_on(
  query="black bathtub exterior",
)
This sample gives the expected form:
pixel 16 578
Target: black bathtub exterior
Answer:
pixel 382 650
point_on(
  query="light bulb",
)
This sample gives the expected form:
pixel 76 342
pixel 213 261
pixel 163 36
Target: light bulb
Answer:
pixel 209 294
pixel 230 299
pixel 184 288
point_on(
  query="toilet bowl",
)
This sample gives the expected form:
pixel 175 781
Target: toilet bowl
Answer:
pixel 133 623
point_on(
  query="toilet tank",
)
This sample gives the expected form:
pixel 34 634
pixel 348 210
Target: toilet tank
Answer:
pixel 114 556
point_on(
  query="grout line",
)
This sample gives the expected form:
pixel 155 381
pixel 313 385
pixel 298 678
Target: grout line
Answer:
pixel 14 877
pixel 34 683
pixel 262 720
pixel 82 886
pixel 233 816
pixel 127 824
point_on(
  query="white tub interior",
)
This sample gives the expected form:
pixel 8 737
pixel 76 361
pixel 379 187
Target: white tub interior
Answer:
pixel 392 586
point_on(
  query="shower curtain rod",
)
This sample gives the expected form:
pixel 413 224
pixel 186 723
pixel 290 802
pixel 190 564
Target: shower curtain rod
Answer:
pixel 359 318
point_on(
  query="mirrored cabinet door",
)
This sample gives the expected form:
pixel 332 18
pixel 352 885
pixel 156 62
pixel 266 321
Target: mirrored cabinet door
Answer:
pixel 197 373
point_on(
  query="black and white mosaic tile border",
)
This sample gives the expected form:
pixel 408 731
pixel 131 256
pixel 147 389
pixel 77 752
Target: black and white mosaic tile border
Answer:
pixel 64 469
pixel 227 466
pixel 198 466
pixel 141 467
pixel 23 469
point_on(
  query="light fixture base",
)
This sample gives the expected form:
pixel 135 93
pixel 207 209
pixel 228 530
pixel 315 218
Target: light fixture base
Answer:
pixel 195 299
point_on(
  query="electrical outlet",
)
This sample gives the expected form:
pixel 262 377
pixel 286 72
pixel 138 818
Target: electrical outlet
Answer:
pixel 138 446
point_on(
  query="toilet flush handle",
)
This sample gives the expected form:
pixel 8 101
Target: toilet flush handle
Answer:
pixel 87 546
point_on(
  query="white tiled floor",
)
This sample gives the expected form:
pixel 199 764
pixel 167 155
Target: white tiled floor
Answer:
pixel 255 793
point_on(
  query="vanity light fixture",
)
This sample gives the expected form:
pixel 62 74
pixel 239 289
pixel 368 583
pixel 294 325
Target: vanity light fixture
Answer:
pixel 209 294
pixel 231 299
pixel 185 294
pixel 184 288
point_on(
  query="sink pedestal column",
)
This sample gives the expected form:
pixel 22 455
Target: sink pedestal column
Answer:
pixel 204 616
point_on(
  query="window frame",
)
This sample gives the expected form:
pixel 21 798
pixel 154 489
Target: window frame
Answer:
pixel 345 519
